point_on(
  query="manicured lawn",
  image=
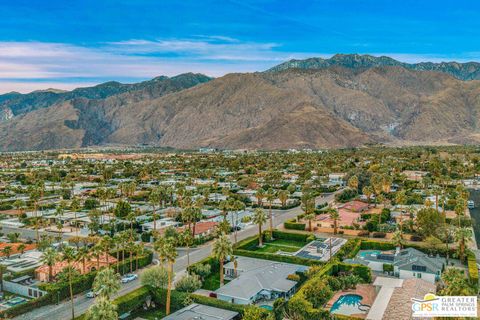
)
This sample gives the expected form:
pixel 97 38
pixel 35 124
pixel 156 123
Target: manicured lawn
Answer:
pixel 280 244
pixel 151 314
pixel 212 282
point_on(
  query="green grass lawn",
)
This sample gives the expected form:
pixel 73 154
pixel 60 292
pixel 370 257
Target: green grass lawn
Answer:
pixel 156 314
pixel 212 282
pixel 280 244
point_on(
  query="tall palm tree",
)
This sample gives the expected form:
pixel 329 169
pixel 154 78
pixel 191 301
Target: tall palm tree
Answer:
pixel 334 216
pixel 69 255
pixel 259 218
pixel 397 239
pixel 107 282
pixel 260 195
pixel 167 252
pixel 222 249
pixel 49 257
pixel 270 198
pixel 186 239
pixel 462 236
pixel 2 271
pixel 155 198
pixel 237 206
pixel 106 243
pixel 283 197
pixel 82 256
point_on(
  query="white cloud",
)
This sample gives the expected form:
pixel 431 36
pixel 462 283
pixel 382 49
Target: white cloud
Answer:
pixel 30 66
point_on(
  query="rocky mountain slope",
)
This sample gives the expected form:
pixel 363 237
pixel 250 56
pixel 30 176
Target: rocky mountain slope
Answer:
pixel 16 103
pixel 462 71
pixel 294 108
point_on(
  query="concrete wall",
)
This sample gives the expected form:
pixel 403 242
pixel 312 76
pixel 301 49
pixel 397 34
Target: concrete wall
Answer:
pixel 22 290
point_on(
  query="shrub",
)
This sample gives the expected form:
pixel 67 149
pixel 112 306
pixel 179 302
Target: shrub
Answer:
pixel 378 234
pixel 293 277
pixel 188 283
pixel 292 225
pixel 472 268
pixel 364 233
pixel 132 300
pixel 349 249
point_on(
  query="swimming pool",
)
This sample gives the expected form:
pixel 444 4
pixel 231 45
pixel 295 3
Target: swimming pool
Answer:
pixel 14 301
pixel 349 304
pixel 364 253
pixel 266 307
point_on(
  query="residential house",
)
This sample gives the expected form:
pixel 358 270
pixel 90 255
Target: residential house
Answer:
pixel 407 263
pixel 258 280
pixel 199 311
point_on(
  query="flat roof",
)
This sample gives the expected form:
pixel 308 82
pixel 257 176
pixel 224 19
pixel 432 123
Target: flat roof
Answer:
pixel 200 311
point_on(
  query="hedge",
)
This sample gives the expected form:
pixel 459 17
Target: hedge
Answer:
pixel 212 261
pixel 290 236
pixel 217 303
pixel 132 301
pixel 472 268
pixel 349 250
pixel 292 225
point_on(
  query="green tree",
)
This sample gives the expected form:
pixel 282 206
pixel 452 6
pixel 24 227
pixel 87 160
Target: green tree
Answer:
pixel 102 309
pixel 107 282
pixel 69 255
pixel 188 283
pixel 259 218
pixel 222 249
pixel 155 277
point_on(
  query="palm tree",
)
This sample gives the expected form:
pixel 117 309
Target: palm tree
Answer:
pixel 462 235
pixel 259 218
pixel 270 198
pixel 2 270
pixel 334 216
pixel 353 183
pixel 167 252
pixel 237 205
pixel 309 217
pixel 69 255
pixel 397 238
pixel 186 238
pixel 102 309
pixel 7 251
pixel 50 257
pixel 283 197
pixel 21 248
pixel 222 248
pixel 260 195
pixel 107 282
pixel 368 192
pixel 155 198
pixel 82 256
pixel 106 243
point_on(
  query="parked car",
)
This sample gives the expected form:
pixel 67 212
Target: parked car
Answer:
pixel 129 277
pixel 91 294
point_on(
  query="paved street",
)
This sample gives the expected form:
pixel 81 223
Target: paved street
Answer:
pixel 63 311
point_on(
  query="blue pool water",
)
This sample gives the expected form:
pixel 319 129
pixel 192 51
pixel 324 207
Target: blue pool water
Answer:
pixel 349 304
pixel 364 253
pixel 267 307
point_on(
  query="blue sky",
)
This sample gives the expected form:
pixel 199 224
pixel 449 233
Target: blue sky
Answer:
pixel 67 43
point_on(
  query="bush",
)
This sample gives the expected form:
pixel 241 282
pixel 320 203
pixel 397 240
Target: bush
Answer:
pixel 472 268
pixel 132 300
pixel 212 302
pixel 364 233
pixel 188 283
pixel 349 249
pixel 290 236
pixel 378 235
pixel 292 225
pixel 376 245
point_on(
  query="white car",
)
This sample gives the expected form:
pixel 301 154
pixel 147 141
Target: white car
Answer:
pixel 129 277
pixel 91 294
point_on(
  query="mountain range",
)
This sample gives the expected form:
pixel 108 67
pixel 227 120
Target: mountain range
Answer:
pixel 344 101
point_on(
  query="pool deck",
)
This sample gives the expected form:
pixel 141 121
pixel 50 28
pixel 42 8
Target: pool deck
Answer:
pixel 366 291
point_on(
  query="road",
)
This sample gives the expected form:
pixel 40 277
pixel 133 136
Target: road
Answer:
pixel 63 310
